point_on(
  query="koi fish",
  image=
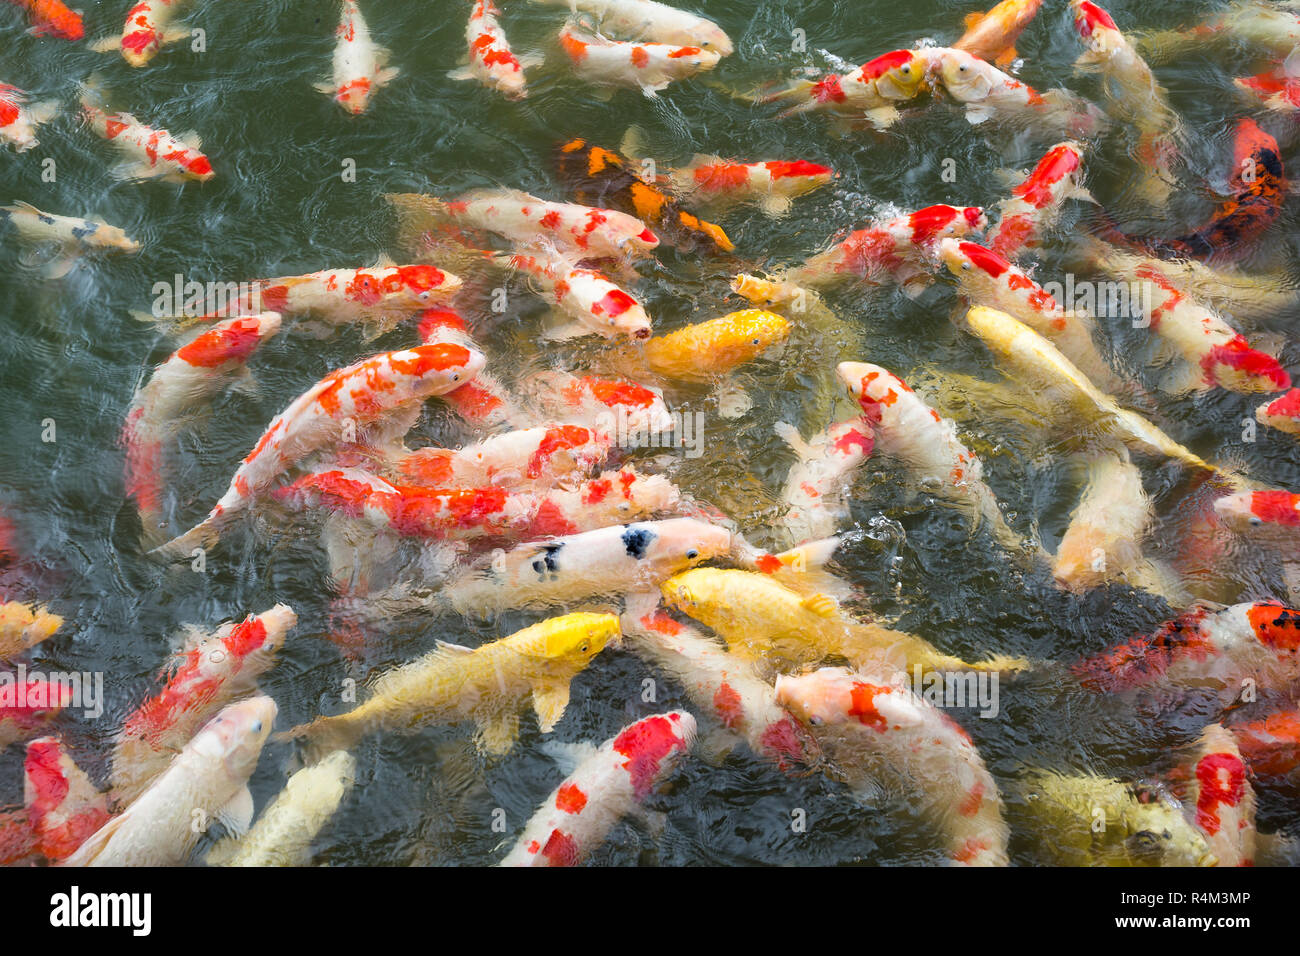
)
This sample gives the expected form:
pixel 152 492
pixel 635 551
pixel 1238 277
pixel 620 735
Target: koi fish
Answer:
pixel 986 278
pixel 1221 798
pixel 491 61
pixel 708 350
pixel 1204 648
pixel 815 486
pixel 360 64
pixel 992 36
pixel 649 67
pixel 1282 413
pixel 648 20
pixel 538 456
pixel 1270 745
pixel 207 781
pixel 484 402
pixel 489 685
pixel 189 378
pixel 872 89
pixel 521 219
pixel 1140 826
pixel 871 730
pixel 363 394
pixel 62 804
pixel 988 93
pixel 23 626
pixel 1269 26
pixel 601 403
pixel 69 235
pixel 151 153
pixel 1258 186
pixel 594 303
pixel 18 121
pixel 907 429
pixel 26 708
pixel 1243 510
pixel 720 684
pixel 150 25
pixel 600 177
pixel 1035 204
pixel 609 783
pixel 210 671
pixel 613 560
pixel 1278 88
pixel 283 834
pixel 52 18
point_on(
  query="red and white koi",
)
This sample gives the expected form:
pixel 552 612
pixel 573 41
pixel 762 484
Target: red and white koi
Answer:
pixel 152 153
pixel 1282 413
pixel 872 89
pixel 649 67
pixel 772 185
pixel 491 61
pixel 189 379
pixel 207 781
pixel 1220 799
pixel 1279 88
pixel 211 670
pixel 870 727
pixel 595 304
pixel 607 785
pixel 1036 203
pixel 484 402
pixel 610 405
pixel 815 486
pixel 360 64
pixel 64 807
pixel 367 393
pixel 18 121
pixel 150 25
pixel 1270 745
pixel 986 278
pixel 52 18
pixel 720 684
pixel 27 706
pixel 648 20
pixel 540 456
pixel 1273 507
pixel 1205 648
pixel 582 231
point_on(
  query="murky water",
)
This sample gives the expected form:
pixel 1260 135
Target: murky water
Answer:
pixel 71 353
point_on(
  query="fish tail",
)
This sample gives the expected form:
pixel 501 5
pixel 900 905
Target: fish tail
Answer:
pixel 322 736
pixel 201 537
pixel 417 214
pixel 1003 664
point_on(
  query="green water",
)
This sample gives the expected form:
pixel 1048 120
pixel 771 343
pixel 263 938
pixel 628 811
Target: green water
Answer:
pixel 279 205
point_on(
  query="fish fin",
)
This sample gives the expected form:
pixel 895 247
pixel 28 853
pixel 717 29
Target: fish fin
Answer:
pixel 244 382
pixel 883 117
pixel 461 73
pixel 978 114
pixel 569 330
pixel 1089 61
pixel 531 60
pixel 972 20
pixel 1183 377
pixel 1082 194
pixel 1007 56
pixel 823 605
pixel 192 139
pixel 716 744
pixel 733 400
pixel 790 435
pixel 324 87
pixel 237 815
pixel 549 701
pixel 633 143
pixel 914 286
pixel 136 170
pixel 813 555
pixel 776 207
pixel 222 852
pixel 175 33
pixel 496 735
pixel 1002 663
pixel 568 756
pixel 387 75
pixel 59 266
pixel 106 44
pixel 202 535
pixel 43 111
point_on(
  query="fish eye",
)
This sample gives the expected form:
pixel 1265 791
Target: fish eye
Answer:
pixel 905 68
pixel 815 721
pixel 583 647
pixel 455 377
pixel 1256 521
pixel 257 726
pixel 962 68
pixel 693 553
pixel 966 266
pixel 755 342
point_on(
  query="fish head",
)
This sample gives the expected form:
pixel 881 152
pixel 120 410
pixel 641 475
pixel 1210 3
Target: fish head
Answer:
pixel 874 388
pixel 971 261
pixel 574 639
pixel 641 408
pixel 442 364
pixel 694 59
pixel 639 240
pixel 676 542
pixel 762 291
pixel 740 337
pixel 354 96
pixel 236 735
pixel 799 176
pixel 423 283
pixel 966 77
pixel 899 74
pixel 1254 151
pixel 927 225
pixel 634 495
pixel 822 697
pixel 1282 413
pixel 712 38
pixel 260 636
pixel 626 315
pixel 1158 833
pixel 113 237
pixel 1242 510
pixel 1276 626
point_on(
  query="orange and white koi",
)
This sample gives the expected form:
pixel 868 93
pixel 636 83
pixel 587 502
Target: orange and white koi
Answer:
pixel 988 93
pixel 150 25
pixel 208 780
pixel 609 561
pixel 602 403
pixel 18 121
pixel 1036 202
pixel 1213 353
pixel 649 67
pixel 649 20
pixel 993 35
pixel 815 486
pixel 872 728
pixel 986 278
pixel 872 89
pixel 583 231
pixel 1220 798
pixel 491 61
pixel 360 64
pixel 1270 745
pixel 595 305
pixel 1278 88
pixel 538 456
pixel 908 429
pixel 1205 648
pixel 64 807
pixel 772 185
pixel 152 153
pixel 897 249
pixel 720 684
pixel 1243 510
pixel 23 626
pixel 607 785
pixel 484 402
pixel 28 704
pixel 1282 413
pixel 211 670
pixel 52 18
pixel 363 394
pixel 189 379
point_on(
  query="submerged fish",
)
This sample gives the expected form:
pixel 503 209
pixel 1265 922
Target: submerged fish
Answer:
pixel 150 25
pixel 18 121
pixel 151 153
pixel 360 64
pixel 1035 203
pixel 52 18
pixel 23 626
pixel 649 67
pixel 62 804
pixel 491 61
pixel 649 20
pixel 815 486
pixel 72 236
pixel 1282 413
pixel 1221 798
pixel 538 456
